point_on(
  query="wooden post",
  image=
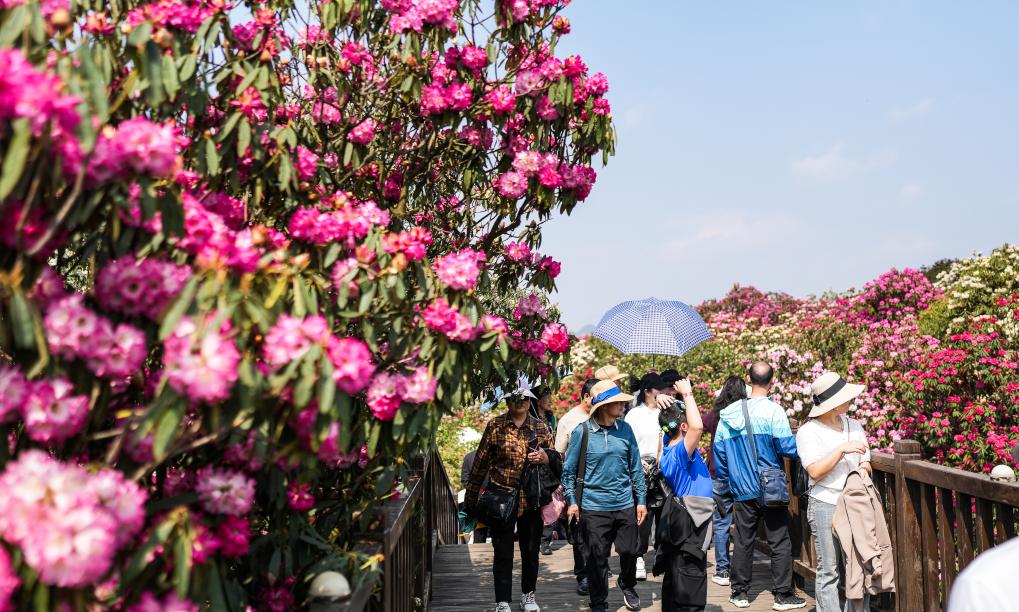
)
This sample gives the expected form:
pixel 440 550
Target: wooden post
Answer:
pixel 909 584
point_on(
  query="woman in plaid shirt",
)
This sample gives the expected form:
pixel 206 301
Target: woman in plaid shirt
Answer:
pixel 501 458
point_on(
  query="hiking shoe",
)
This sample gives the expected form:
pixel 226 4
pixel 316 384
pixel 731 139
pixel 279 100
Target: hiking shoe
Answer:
pixel 721 578
pixel 582 587
pixel 546 548
pixel 641 570
pixel 630 597
pixel 528 604
pixel 788 601
pixel 739 599
pixel 503 606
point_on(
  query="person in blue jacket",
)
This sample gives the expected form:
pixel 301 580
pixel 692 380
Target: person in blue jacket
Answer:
pixel 610 504
pixel 734 464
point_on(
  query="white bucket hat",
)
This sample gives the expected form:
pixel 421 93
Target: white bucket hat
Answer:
pixel 606 392
pixel 831 391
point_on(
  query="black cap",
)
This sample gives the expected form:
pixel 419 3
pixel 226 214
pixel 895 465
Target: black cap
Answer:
pixel 671 377
pixel 653 381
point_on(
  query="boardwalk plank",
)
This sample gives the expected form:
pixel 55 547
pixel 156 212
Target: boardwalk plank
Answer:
pixel 463 583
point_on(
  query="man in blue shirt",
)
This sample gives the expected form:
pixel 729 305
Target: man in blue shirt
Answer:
pixel 685 527
pixel 600 486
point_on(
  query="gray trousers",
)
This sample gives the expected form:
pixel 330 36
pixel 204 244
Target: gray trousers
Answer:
pixel 826 585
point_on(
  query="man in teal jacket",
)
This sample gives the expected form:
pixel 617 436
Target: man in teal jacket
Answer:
pixel 612 477
pixel 734 463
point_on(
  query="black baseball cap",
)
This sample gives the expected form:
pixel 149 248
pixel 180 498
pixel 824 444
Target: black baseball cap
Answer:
pixel 671 377
pixel 653 381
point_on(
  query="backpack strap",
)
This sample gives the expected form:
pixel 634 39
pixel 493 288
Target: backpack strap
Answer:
pixel 578 487
pixel 750 434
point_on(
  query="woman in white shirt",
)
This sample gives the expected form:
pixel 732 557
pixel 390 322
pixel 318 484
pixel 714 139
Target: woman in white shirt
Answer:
pixel 830 445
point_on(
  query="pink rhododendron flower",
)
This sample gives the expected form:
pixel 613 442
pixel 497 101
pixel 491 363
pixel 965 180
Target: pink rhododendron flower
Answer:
pixel 299 496
pixel 225 491
pixel 291 337
pixel 413 243
pixel 54 513
pixel 363 132
pixel 185 15
pixel 52 412
pixel 383 396
pixel 527 162
pixel 556 338
pixel 347 222
pixel 549 177
pixel 307 163
pixel 551 266
pixel 139 288
pixel 459 271
pixel 279 597
pixel 201 364
pixel 233 536
pixel 502 99
pixel 418 387
pixel 352 363
pixel 48 288
pixel 9 582
pixel 511 185
pixel 492 323
pixel 531 306
pixel 136 146
pixel 518 251
pixel 14 392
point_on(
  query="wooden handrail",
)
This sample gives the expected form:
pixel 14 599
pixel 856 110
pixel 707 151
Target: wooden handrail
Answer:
pixel 939 518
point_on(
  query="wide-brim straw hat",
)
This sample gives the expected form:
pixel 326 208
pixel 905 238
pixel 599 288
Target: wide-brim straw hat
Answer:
pixel 610 373
pixel 831 391
pixel 606 392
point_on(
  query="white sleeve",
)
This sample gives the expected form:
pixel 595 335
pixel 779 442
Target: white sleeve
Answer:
pixel 857 429
pixel 972 595
pixel 808 446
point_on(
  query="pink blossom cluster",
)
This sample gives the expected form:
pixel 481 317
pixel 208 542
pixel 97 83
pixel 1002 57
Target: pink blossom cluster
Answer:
pixel 20 229
pixel 183 15
pixel 306 163
pixel 136 146
pixel 474 59
pixel 550 173
pixel 50 409
pixel 556 338
pixel 201 359
pixel 388 391
pixel 518 251
pixel 225 491
pixel 410 15
pixel 68 523
pixel 139 287
pixel 299 496
pixel 442 317
pixel 494 324
pixel 459 271
pixel 231 539
pixel 210 239
pixel 363 132
pixel 9 581
pixel 48 288
pixel 502 99
pixel 520 10
pixel 413 243
pixel 291 337
pixel 74 331
pixel 530 306
pixel 33 95
pixel 352 363
pixel 344 224
pixel 895 295
pixel 438 98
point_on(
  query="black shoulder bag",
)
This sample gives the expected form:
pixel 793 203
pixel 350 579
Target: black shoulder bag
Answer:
pixel 497 508
pixel 772 482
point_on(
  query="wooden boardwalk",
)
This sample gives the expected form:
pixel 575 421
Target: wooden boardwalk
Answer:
pixel 462 582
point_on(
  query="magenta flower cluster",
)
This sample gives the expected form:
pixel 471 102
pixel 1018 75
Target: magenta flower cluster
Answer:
pixel 136 146
pixel 388 391
pixel 50 409
pixel 200 359
pixel 291 337
pixel 459 270
pixel 74 331
pixel 345 224
pixel 139 287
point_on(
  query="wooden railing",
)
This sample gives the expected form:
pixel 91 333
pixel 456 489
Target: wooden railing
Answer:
pixel 414 526
pixel 939 519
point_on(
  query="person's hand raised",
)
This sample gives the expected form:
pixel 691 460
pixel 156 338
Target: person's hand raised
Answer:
pixel 664 401
pixel 684 387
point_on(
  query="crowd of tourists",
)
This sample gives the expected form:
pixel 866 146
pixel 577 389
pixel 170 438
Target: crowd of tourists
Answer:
pixel 636 468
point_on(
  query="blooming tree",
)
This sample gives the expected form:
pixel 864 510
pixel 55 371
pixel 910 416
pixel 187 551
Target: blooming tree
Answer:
pixel 247 255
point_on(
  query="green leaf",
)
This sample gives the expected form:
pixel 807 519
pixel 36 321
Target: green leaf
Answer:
pixel 243 137
pixel 231 123
pixel 211 157
pixel 187 67
pixel 24 322
pixel 154 73
pixel 246 82
pixel 178 308
pixel 38 27
pixel 14 161
pixel 182 566
pixel 15 24
pixel 166 428
pixel 170 81
pixel 140 559
pixel 141 34
pixel 326 385
pixel 285 171
pixel 172 214
pixel 96 85
pixel 348 152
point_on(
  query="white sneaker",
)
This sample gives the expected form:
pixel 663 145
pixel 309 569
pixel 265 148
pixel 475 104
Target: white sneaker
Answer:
pixel 641 569
pixel 503 606
pixel 528 604
pixel 721 578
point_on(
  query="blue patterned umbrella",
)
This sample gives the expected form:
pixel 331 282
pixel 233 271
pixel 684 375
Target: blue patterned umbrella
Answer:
pixel 652 327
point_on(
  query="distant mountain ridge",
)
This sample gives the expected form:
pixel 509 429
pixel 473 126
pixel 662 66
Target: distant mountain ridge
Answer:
pixel 584 331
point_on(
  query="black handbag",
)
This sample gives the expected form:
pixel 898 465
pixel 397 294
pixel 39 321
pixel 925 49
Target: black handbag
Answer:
pixel 772 481
pixel 497 508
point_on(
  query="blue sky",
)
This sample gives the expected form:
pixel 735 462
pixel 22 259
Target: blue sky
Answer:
pixel 796 146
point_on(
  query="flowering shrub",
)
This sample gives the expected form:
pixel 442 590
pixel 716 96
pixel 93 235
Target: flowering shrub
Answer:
pixel 249 253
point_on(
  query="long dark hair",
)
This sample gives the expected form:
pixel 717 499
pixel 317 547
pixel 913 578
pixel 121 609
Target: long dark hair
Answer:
pixel 734 389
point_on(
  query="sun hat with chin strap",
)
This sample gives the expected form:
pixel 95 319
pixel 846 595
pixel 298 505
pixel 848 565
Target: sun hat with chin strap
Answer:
pixel 606 392
pixel 831 391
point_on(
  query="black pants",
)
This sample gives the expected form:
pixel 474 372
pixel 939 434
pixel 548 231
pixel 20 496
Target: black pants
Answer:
pixel 746 516
pixel 600 531
pixel 529 526
pixel 646 529
pixel 579 551
pixel 685 587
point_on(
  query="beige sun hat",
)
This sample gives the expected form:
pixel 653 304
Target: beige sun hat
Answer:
pixel 606 392
pixel 831 391
pixel 610 372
